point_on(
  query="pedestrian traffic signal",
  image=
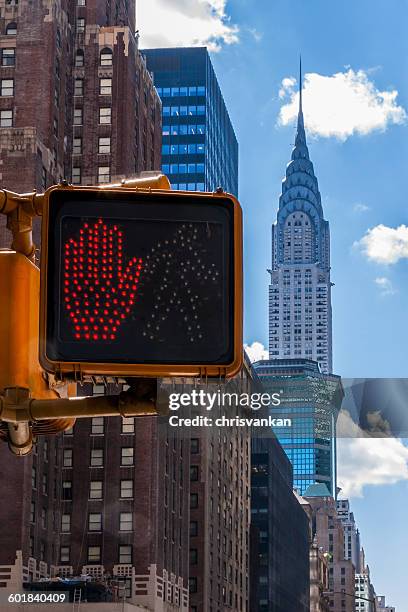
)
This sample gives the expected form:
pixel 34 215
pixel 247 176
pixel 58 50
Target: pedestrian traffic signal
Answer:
pixel 140 282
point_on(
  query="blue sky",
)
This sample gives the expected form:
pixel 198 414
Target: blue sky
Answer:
pixel 362 178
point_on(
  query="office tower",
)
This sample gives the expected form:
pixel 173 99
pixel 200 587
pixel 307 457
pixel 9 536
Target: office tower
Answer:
pixel 328 534
pixel 351 533
pixel 200 150
pixel 220 507
pixel 125 505
pixel 76 101
pixel 280 533
pixel 312 401
pixel 300 314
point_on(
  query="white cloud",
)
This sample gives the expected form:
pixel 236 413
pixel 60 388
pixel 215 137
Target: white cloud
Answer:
pixel 341 105
pixel 365 460
pixel 385 245
pixel 360 208
pixel 288 87
pixel 184 23
pixel 256 351
pixel 385 285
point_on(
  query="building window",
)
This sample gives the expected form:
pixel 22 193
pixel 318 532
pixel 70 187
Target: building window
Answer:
pixel 105 115
pixel 194 473
pixel 104 145
pixel 97 457
pixel 76 175
pixel 105 87
pixel 97 426
pixel 32 512
pixel 34 477
pixel 64 554
pixel 95 521
pixel 95 489
pixel 192 584
pixel 193 528
pixel 125 554
pixel 78 116
pixel 79 58
pixel 65 523
pixel 67 457
pixel 193 556
pixel 67 490
pixel 81 2
pixel 79 87
pixel 45 484
pixel 103 174
pixel 193 500
pixel 105 58
pixel 8 57
pixel 80 25
pixel 125 521
pixel 94 554
pixel 11 29
pixel 127 454
pixel 77 146
pixel 7 87
pixel 128 425
pixel 126 488
pixel 6 118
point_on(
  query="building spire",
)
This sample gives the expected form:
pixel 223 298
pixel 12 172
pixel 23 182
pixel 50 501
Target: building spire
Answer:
pixel 300 85
pixel 300 133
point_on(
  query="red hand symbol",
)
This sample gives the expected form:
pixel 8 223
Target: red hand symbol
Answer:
pixel 98 291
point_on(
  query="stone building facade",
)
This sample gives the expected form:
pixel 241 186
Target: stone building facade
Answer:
pixel 76 99
pixel 328 531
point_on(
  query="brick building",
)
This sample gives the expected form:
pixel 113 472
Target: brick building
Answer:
pixel 328 532
pixel 220 509
pixel 58 58
pixel 76 100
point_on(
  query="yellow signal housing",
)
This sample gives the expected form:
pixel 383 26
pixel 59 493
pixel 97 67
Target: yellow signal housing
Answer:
pixel 19 326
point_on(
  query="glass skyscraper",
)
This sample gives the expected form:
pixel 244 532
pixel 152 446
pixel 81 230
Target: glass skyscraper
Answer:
pixel 311 400
pixel 200 149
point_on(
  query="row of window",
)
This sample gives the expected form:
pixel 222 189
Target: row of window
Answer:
pixel 95 522
pixel 98 426
pixel 188 186
pixel 104 174
pixel 183 149
pixel 96 460
pixel 105 57
pixel 167 92
pixel 105 87
pixel 94 554
pixel 105 115
pixel 104 145
pixel 183 111
pixel 183 129
pixel 183 168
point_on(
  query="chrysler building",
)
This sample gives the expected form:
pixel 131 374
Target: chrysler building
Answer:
pixel 300 314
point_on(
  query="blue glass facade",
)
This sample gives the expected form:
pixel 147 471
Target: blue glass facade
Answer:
pixel 200 149
pixel 312 401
